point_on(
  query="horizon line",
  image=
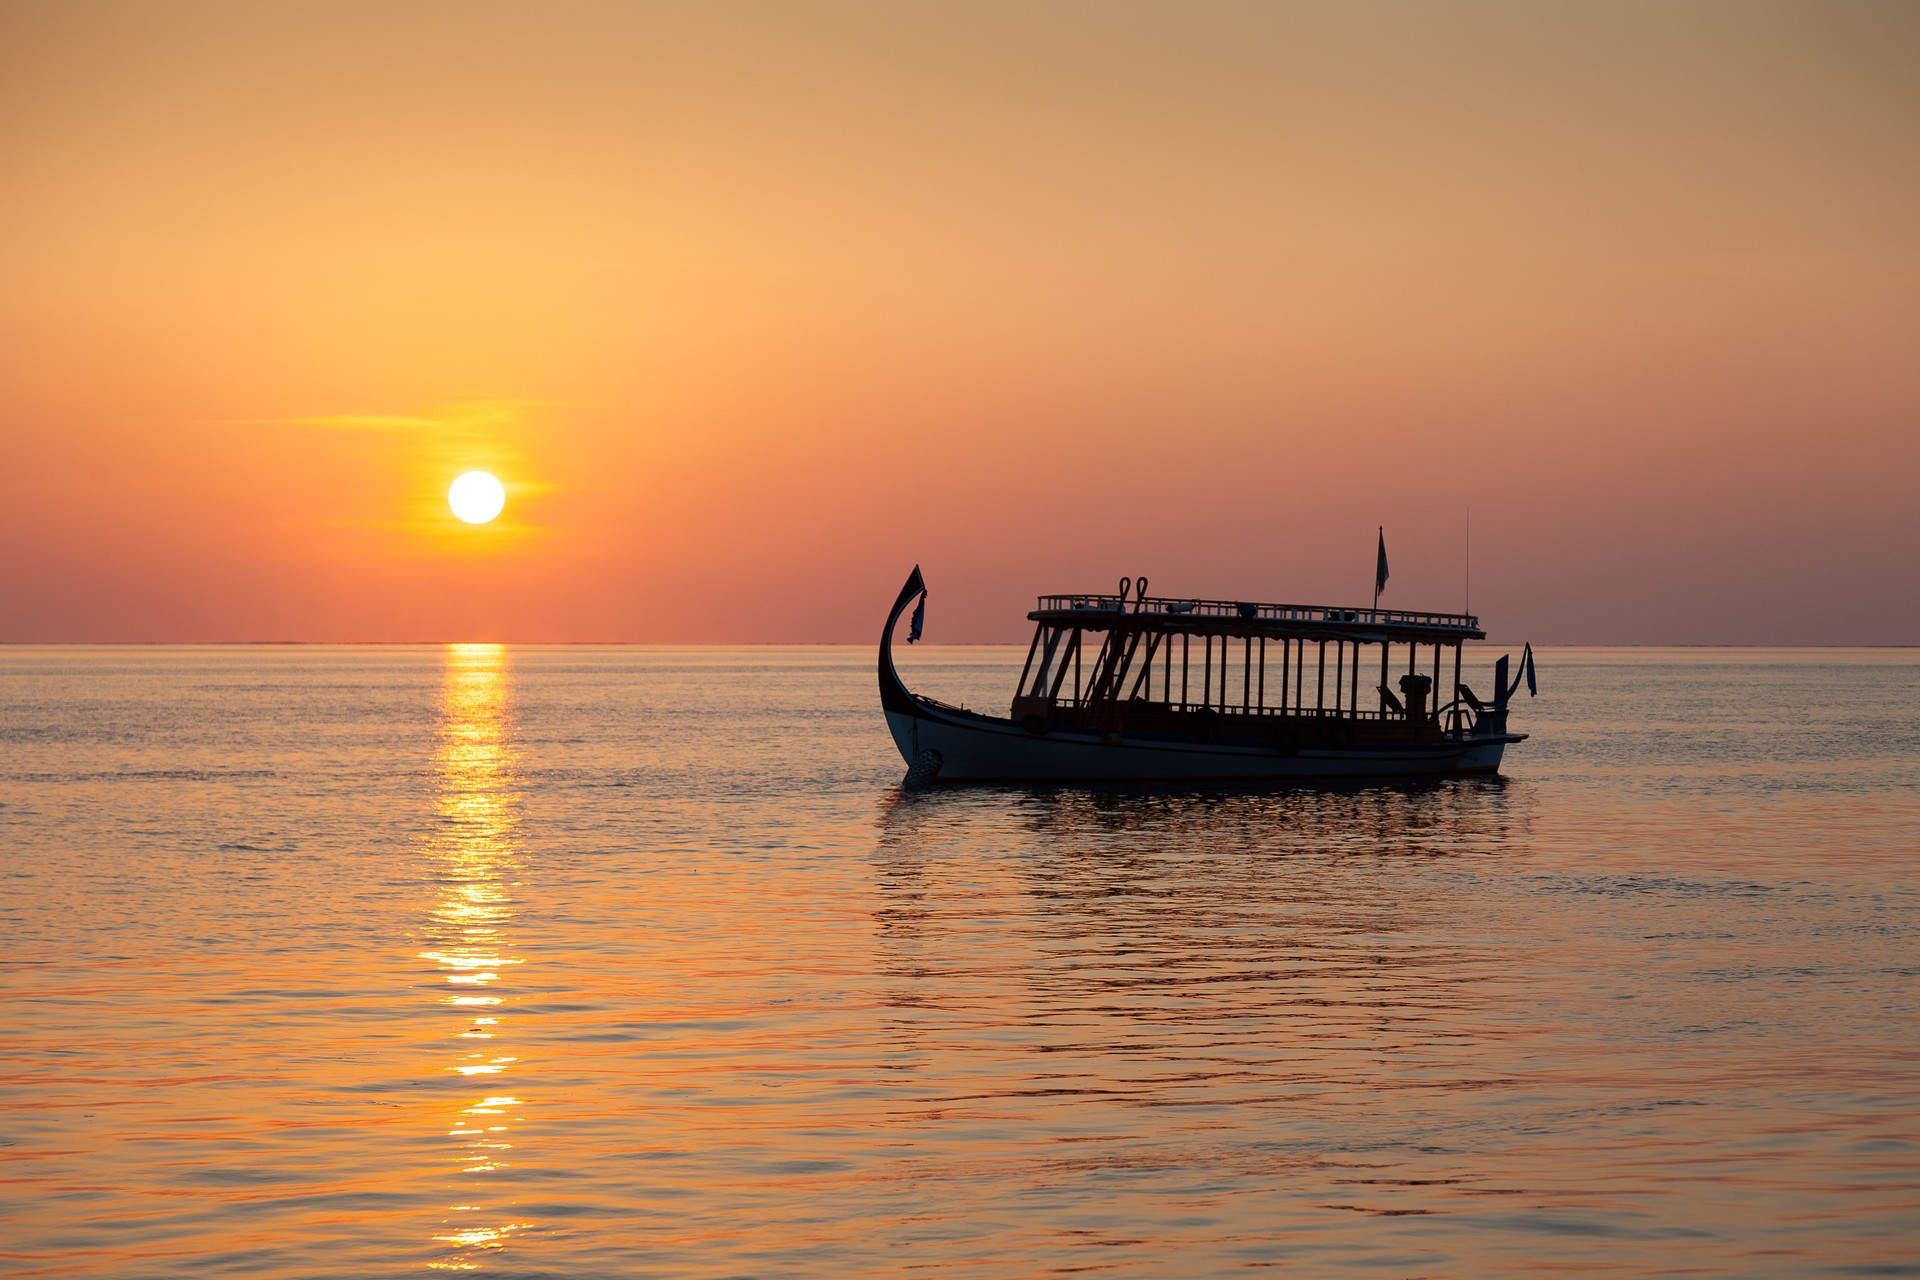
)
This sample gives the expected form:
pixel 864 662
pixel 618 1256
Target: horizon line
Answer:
pixel 833 644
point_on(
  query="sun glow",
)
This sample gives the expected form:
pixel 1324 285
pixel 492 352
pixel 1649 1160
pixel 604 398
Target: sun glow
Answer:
pixel 476 497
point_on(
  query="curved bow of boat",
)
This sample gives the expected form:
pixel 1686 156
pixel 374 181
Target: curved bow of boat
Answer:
pixel 893 694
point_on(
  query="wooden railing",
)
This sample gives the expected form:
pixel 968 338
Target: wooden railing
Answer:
pixel 1238 609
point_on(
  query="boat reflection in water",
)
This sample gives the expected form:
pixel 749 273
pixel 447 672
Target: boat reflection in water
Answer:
pixel 473 863
pixel 1094 837
pixel 1113 967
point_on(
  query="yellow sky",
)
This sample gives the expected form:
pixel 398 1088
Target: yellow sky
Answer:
pixel 753 307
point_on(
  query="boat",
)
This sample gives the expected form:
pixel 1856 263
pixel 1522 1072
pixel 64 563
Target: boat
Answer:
pixel 1136 688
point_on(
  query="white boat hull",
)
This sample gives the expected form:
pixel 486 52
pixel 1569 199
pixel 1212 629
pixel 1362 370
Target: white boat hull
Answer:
pixel 982 749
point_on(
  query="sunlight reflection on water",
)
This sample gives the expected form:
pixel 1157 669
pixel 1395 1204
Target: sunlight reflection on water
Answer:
pixel 473 856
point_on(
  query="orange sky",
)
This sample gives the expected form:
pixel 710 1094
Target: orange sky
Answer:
pixel 754 307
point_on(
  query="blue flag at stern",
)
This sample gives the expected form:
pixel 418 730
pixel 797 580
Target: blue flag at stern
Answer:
pixel 919 618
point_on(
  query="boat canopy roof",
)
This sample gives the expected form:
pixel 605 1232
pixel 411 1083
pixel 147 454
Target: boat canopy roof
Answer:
pixel 1246 618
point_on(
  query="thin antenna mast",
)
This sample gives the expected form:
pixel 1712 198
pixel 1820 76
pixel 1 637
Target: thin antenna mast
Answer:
pixel 1467 608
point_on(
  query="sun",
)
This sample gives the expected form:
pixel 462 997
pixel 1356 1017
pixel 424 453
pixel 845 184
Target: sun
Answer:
pixel 476 497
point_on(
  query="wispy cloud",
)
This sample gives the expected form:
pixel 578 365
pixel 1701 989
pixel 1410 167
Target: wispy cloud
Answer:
pixel 363 422
pixel 468 416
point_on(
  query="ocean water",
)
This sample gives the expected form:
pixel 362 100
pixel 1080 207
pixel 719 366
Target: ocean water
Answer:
pixel 636 962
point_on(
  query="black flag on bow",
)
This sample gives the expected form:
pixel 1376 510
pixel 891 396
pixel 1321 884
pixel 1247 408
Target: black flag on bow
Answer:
pixel 919 618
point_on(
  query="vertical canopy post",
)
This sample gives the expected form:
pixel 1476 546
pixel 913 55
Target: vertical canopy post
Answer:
pixel 1386 657
pixel 1246 673
pixel 1339 672
pixel 1353 702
